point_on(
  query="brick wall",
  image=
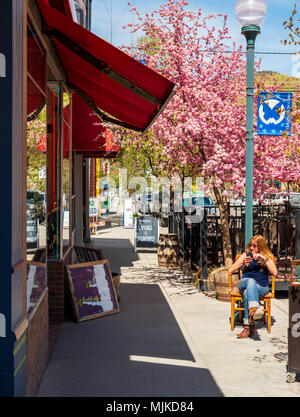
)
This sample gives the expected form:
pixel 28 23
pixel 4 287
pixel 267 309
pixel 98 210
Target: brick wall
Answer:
pixel 93 178
pixel 55 274
pixel 37 346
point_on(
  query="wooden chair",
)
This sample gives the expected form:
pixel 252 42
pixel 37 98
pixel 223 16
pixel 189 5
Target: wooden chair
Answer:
pixel 294 262
pixel 237 297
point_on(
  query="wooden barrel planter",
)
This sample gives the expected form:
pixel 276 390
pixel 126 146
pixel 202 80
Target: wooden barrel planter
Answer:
pixel 116 281
pixel 168 251
pixel 222 285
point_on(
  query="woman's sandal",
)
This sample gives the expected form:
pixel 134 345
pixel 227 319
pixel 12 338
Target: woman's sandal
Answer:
pixel 255 313
pixel 248 331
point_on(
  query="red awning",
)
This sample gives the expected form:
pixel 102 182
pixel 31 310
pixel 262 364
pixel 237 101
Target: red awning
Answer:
pixel 36 75
pixel 107 78
pixel 61 5
pixel 90 137
pixel 42 145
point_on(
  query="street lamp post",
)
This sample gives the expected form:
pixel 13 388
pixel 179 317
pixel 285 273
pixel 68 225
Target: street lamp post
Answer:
pixel 250 14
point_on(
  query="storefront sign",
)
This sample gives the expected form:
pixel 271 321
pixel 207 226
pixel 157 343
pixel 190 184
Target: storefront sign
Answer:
pixel 146 232
pixel 128 213
pixel 93 207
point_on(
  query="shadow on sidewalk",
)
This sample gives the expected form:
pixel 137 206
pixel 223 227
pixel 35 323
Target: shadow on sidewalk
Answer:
pixel 140 352
pixel 119 252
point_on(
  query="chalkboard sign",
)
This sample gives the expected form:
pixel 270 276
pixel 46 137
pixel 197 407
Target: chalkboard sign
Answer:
pixel 146 232
pixel 32 232
pixel 92 290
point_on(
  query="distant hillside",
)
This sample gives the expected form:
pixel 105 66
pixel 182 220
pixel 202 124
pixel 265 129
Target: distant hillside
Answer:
pixel 268 76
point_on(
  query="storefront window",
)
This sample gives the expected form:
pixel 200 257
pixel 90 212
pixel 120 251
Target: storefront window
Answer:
pixel 36 200
pixel 36 170
pixel 66 204
pixel 54 164
pixel 67 160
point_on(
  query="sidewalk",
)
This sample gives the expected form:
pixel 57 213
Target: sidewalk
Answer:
pixel 169 340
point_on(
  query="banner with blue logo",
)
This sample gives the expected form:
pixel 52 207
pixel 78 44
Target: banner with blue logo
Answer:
pixel 142 59
pixel 274 113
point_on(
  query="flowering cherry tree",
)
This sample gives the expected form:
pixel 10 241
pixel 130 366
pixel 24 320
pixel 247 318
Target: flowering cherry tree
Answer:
pixel 35 158
pixel 202 130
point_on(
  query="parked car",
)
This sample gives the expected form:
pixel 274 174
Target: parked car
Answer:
pixel 35 205
pixel 190 204
pixel 273 198
pixel 294 199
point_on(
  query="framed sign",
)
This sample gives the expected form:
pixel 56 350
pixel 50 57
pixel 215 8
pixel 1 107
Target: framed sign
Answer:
pixel 36 283
pixel 92 290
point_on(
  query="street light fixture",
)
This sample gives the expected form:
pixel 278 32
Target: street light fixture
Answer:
pixel 251 15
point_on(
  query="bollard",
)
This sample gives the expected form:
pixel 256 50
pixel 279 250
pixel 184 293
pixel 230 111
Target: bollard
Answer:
pixel 294 333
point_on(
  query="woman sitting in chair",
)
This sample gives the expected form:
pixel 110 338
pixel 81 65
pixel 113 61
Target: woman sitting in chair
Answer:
pixel 257 263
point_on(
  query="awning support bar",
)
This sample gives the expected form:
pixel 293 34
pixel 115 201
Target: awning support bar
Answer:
pixel 101 66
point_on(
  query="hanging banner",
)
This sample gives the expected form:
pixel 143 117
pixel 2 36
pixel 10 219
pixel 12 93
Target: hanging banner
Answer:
pixel 274 113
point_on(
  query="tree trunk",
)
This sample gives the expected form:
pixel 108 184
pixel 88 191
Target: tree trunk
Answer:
pixel 224 217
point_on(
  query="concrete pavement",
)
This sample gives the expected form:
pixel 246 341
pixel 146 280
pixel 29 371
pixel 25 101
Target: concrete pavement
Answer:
pixel 169 340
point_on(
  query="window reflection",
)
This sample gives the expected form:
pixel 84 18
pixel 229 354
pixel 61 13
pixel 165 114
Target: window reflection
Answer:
pixel 66 204
pixel 36 204
pixel 36 210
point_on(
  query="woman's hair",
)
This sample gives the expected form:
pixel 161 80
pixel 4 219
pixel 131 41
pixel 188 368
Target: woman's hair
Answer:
pixel 262 246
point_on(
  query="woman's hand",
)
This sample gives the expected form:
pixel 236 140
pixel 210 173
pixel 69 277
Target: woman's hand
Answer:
pixel 247 260
pixel 259 256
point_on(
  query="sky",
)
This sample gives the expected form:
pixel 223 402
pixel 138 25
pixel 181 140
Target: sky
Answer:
pixel 109 17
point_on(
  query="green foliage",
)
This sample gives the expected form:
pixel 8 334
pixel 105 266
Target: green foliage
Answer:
pixel 35 158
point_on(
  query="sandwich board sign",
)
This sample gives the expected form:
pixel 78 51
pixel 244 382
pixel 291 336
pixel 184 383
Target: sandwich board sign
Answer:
pixel 146 232
pixel 93 207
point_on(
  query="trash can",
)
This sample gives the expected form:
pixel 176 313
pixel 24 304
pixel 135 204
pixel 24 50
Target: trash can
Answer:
pixel 294 333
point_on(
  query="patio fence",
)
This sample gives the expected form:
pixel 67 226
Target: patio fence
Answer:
pixel 201 243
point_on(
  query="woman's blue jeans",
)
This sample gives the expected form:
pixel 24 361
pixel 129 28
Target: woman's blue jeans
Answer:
pixel 251 292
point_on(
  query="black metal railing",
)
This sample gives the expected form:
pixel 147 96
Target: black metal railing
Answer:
pixel 203 241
